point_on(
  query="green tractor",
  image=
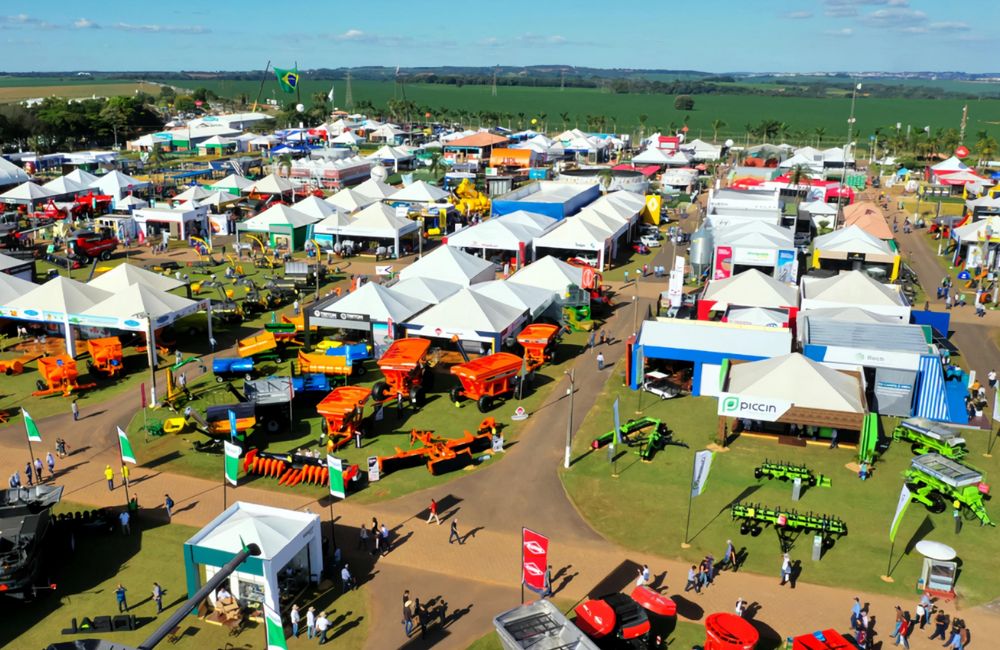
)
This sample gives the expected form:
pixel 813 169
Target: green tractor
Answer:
pixel 927 436
pixel 634 434
pixel 788 472
pixel 788 524
pixel 936 481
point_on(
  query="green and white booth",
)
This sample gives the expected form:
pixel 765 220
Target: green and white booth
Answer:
pixel 291 551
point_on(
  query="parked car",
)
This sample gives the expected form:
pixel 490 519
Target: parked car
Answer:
pixel 660 385
pixel 649 241
pixel 589 260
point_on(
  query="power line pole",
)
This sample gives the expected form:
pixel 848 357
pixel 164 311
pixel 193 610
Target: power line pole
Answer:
pixel 494 90
pixel 348 97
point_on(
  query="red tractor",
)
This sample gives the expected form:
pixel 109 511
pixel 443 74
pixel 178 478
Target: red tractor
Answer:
pixel 85 245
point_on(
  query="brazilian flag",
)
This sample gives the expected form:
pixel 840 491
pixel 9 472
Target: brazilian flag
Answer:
pixel 287 79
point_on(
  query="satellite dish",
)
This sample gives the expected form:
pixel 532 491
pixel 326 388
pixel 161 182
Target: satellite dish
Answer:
pixel 729 144
pixel 379 173
pixel 300 107
pixel 936 550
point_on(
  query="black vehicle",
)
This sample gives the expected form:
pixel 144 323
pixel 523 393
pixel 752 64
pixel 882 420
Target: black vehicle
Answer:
pixel 25 525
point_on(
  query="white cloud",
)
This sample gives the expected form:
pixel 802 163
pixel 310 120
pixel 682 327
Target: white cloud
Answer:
pixel 161 29
pixel 533 40
pixel 24 20
pixel 798 15
pixel 84 23
pixel 894 18
pixel 843 31
pixel 353 35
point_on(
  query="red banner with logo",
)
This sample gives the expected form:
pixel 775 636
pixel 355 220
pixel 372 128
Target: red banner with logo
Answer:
pixel 534 559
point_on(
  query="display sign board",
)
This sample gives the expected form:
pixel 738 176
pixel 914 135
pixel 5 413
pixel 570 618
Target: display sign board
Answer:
pixel 755 408
pixel 534 559
pixel 872 358
pixel 754 256
pixel 373 470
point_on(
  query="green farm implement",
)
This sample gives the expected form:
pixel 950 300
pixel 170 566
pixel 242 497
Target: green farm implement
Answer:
pixel 788 472
pixel 649 434
pixel 936 482
pixel 788 524
pixel 926 436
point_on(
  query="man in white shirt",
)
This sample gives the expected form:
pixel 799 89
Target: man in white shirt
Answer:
pixel 322 625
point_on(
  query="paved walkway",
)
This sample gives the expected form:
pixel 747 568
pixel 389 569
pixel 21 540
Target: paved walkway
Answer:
pixel 480 578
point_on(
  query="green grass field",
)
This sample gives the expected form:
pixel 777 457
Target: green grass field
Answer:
pixel 659 490
pixel 87 581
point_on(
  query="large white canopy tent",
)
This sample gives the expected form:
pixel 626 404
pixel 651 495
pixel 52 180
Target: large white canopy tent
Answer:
pixel 372 308
pixel 576 235
pixel 271 184
pixel 11 174
pixel 27 193
pixel 63 186
pixel 125 275
pixel 375 189
pixel 471 317
pixel 751 288
pixel 532 299
pixel 451 264
pixel 420 192
pixel 82 177
pixel 290 543
pixel 350 200
pixel 379 221
pixel 430 290
pixel 504 233
pixel 854 289
pixel 233 184
pixel 315 207
pixel 551 274
pixel 13 287
pixel 277 215
pixel 117 184
pixel 193 193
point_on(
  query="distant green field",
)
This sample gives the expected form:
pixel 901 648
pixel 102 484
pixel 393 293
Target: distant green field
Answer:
pixel 736 110
pixel 72 80
pixel 947 85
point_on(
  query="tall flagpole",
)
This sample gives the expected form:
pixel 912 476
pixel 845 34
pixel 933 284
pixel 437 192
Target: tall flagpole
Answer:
pixel 261 89
pixel 121 460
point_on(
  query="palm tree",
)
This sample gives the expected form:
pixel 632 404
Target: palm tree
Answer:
pixel 285 163
pixel 437 164
pixel 819 132
pixel 520 120
pixel 541 121
pixel 565 118
pixel 642 125
pixel 717 124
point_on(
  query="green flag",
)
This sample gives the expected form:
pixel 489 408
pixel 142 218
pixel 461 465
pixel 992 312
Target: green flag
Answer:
pixel 31 428
pixel 275 631
pixel 336 467
pixel 232 462
pixel 901 506
pixel 128 456
pixel 287 79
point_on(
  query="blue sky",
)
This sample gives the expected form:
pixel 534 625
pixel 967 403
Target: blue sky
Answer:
pixel 717 35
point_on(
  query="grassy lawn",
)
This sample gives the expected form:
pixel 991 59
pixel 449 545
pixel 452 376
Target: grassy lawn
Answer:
pixel 176 452
pixel 101 560
pixel 659 490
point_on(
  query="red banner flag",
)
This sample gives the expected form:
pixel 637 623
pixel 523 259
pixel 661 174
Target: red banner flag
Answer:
pixel 534 559
pixel 142 394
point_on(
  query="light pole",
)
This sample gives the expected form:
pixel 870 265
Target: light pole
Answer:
pixel 847 150
pixel 569 417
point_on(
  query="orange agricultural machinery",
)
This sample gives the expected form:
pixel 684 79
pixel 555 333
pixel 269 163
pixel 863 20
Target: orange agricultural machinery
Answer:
pixel 292 469
pixel 16 366
pixel 59 375
pixel 297 321
pixel 327 364
pixel 343 411
pixel 441 455
pixel 105 356
pixel 259 346
pixel 406 372
pixel 539 343
pixel 487 378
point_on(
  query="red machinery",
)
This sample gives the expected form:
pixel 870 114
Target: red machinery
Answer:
pixel 661 611
pixel 538 341
pixel 440 454
pixel 406 372
pixel 343 412
pixel 59 375
pixel 292 469
pixel 724 631
pixel 85 245
pixel 615 616
pixel 825 640
pixel 486 378
pixel 105 355
pixel 592 283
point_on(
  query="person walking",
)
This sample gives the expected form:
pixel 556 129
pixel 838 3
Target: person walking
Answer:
pixel 991 377
pixel 692 581
pixel 420 613
pixel 124 519
pixel 158 596
pixel 786 569
pixel 60 448
pixel 408 617
pixel 75 408
pixel 363 538
pixel 14 481
pixel 548 593
pixel 169 504
pixel 322 625
pixel 956 513
pixel 346 579
pixel 311 622
pixel 904 631
pixel 741 607
pixel 899 622
pixel 384 534
pixel 433 513
pixel 376 540
pixel 920 616
pixel 833 439
pixel 120 597
pixel 940 626
pixel 947 300
pixel 29 473
pixel 125 475
pixel 643 578
pixel 855 613
pixel 38 470
pixel 600 361
pixel 295 617
pixel 50 460
pixel 454 536
pixel 728 556
pixel 109 476
pixel 178 357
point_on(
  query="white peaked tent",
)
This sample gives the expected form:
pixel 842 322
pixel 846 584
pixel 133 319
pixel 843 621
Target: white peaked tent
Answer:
pixel 117 184
pixel 379 221
pixel 471 317
pixel 532 299
pixel 420 192
pixel 379 303
pixel 449 263
pixel 55 301
pixel 348 138
pixel 62 186
pixel 534 222
pixel 26 193
pixel 848 315
pixel 315 207
pixel 799 380
pixel 576 234
pixel 751 288
pixel 854 289
pixel 233 184
pixel 759 316
pixel 391 155
pixel 124 276
pixel 141 301
pixel 82 177
pixel 495 234
pixel 13 287
pixel 217 198
pixel 332 225
pixel 11 174
pixel 427 289
pixel 277 215
pixel 852 239
pixel 350 200
pixel 288 540
pixel 375 189
pixel 952 164
pixel 131 202
pixel 549 273
pixel 193 193
pixel 271 184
